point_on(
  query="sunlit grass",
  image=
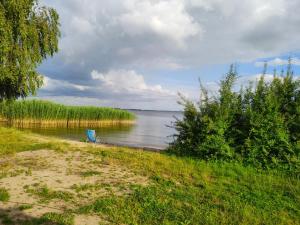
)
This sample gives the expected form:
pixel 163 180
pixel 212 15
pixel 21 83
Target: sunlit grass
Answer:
pixel 182 190
pixel 13 141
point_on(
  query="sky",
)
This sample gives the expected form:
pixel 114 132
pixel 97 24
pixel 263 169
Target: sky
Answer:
pixel 141 53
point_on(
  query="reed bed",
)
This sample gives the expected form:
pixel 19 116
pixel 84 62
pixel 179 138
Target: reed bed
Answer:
pixel 45 113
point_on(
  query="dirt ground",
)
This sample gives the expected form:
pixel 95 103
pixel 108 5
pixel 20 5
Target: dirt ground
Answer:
pixel 48 181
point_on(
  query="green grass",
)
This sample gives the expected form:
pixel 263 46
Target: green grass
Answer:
pixel 25 207
pixel 4 218
pixel 48 218
pixel 48 111
pixel 13 141
pixel 58 219
pixel 46 194
pixel 90 173
pixel 187 191
pixel 4 195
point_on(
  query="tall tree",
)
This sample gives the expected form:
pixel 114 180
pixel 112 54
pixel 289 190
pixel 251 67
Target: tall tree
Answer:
pixel 29 33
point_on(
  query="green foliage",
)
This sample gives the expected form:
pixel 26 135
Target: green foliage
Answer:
pixel 44 110
pixel 4 195
pixel 258 125
pixel 28 34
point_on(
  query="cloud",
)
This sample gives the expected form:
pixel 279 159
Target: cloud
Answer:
pixel 245 80
pixel 146 36
pixel 120 88
pixel 135 34
pixel 121 81
pixel 167 19
pixel 52 85
pixel 279 62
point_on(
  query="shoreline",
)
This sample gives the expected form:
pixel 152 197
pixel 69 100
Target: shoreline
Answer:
pixel 147 149
pixel 27 123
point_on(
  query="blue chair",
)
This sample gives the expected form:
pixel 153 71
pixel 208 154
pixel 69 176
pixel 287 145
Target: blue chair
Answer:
pixel 91 136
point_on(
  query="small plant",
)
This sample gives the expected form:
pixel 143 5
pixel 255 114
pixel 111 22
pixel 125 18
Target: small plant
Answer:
pixel 90 173
pixel 4 195
pixel 25 207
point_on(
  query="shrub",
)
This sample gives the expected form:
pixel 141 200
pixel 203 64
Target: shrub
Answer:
pixel 259 125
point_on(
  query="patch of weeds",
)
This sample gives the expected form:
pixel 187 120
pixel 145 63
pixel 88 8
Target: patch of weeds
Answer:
pixel 47 194
pixel 5 219
pixel 90 187
pixel 90 173
pixel 16 173
pixel 83 140
pixel 28 172
pixel 4 195
pixel 122 188
pixel 52 219
pixel 82 187
pixel 59 219
pixel 3 175
pixel 25 207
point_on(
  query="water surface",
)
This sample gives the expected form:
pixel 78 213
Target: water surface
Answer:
pixel 151 131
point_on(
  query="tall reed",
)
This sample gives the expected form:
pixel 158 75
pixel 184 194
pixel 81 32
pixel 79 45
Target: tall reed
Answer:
pixel 45 112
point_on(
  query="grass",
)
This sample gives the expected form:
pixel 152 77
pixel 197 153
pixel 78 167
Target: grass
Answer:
pixel 46 113
pixel 14 141
pixel 181 190
pixel 25 207
pixel 58 219
pixel 185 191
pixel 90 173
pixel 4 195
pixel 47 218
pixel 47 194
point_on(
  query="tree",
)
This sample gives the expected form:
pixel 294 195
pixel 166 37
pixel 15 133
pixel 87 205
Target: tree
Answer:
pixel 29 33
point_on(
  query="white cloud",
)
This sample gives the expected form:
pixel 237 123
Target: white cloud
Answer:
pixel 165 18
pixel 53 84
pixel 128 81
pixel 115 33
pixel 279 62
pixel 244 81
pixel 124 36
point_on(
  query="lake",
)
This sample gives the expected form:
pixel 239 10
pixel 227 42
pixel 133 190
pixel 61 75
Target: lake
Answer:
pixel 150 131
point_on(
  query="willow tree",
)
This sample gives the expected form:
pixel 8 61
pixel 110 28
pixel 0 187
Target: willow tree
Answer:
pixel 29 34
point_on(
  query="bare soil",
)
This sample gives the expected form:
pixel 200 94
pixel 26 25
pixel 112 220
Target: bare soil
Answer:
pixel 53 181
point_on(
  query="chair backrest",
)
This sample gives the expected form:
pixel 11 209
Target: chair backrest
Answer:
pixel 91 135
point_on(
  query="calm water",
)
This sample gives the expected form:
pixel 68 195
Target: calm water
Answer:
pixel 151 130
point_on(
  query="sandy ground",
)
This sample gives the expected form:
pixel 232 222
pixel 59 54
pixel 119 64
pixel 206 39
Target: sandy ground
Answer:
pixel 72 178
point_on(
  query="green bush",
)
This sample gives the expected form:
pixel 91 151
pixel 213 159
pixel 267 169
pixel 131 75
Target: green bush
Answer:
pixel 259 125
